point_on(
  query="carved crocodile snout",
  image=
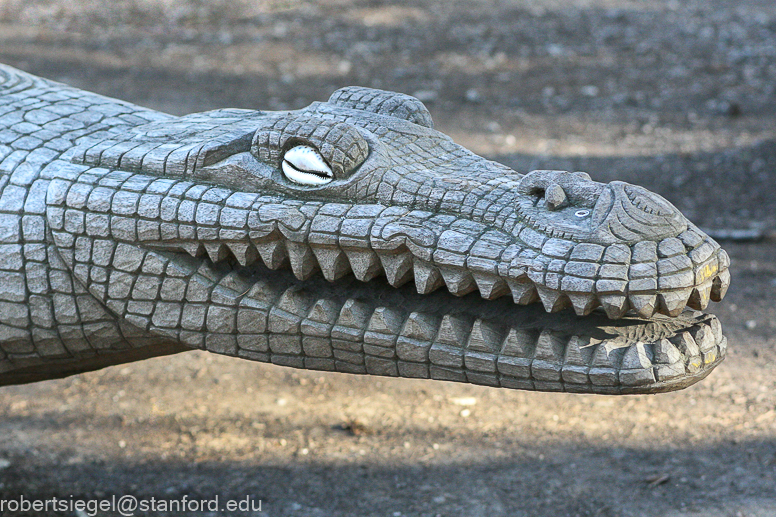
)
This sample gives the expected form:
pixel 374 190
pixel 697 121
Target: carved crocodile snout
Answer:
pixel 616 244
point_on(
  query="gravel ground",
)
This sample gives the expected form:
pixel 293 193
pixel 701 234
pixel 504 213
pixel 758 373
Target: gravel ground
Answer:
pixel 676 96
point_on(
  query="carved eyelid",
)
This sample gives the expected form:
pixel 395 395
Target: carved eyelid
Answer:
pixel 342 146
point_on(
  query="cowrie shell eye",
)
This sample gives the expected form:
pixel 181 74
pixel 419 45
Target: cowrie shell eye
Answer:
pixel 305 166
pixel 582 213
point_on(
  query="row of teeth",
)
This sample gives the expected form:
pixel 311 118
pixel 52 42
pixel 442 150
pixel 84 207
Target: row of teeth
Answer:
pixel 400 268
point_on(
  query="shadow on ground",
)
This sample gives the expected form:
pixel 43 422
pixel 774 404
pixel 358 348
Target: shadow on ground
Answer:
pixel 595 480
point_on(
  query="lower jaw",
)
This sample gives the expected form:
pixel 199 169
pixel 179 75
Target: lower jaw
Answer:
pixel 374 328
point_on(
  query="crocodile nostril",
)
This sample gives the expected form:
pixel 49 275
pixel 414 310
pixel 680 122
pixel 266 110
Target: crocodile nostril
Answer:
pixel 555 197
pixel 537 194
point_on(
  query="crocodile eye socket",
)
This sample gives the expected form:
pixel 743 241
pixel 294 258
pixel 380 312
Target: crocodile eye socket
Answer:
pixel 304 165
pixel 310 151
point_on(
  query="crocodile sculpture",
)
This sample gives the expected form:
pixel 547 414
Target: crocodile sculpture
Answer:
pixel 347 236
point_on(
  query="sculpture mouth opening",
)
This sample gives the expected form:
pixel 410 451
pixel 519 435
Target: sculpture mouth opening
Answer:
pixel 236 273
pixel 373 327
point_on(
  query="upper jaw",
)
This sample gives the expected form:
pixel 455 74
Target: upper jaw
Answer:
pixel 556 237
pixel 404 244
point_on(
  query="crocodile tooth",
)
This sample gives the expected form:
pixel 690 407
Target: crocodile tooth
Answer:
pixel 485 337
pixel 260 294
pixel 724 259
pixel 523 291
pixel 294 301
pixel 273 253
pixel 194 249
pixel 216 251
pixel 427 277
pixel 644 304
pixel 716 328
pixel 704 337
pixel 458 282
pixel 520 343
pixel 333 262
pixel 720 285
pixel 637 356
pixel 243 252
pixel 490 286
pixel 236 282
pixel 636 367
pixel 686 344
pixel 577 354
pixel 398 268
pixel 303 262
pixel 553 300
pixel 354 314
pixel 583 303
pixel 364 263
pixel 666 353
pixel 324 311
pixel 699 299
pixel 386 320
pixel 550 346
pixel 576 361
pixel 420 326
pixel 454 329
pixel 606 355
pixel 722 346
pixel 615 305
pixel 672 303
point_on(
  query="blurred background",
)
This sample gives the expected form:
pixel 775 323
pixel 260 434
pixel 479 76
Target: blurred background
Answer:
pixel 677 96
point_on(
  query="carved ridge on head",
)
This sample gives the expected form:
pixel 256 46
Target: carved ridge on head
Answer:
pixel 381 102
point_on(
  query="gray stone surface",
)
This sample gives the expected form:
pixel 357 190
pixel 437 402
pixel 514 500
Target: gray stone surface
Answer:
pixel 204 231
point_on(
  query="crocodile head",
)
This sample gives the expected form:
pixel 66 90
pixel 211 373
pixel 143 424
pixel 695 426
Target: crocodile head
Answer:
pixel 174 225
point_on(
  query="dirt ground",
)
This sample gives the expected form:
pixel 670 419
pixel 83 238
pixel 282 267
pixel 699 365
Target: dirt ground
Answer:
pixel 677 96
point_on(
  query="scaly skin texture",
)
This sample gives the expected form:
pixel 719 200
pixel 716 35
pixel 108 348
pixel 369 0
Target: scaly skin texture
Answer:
pixel 127 233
